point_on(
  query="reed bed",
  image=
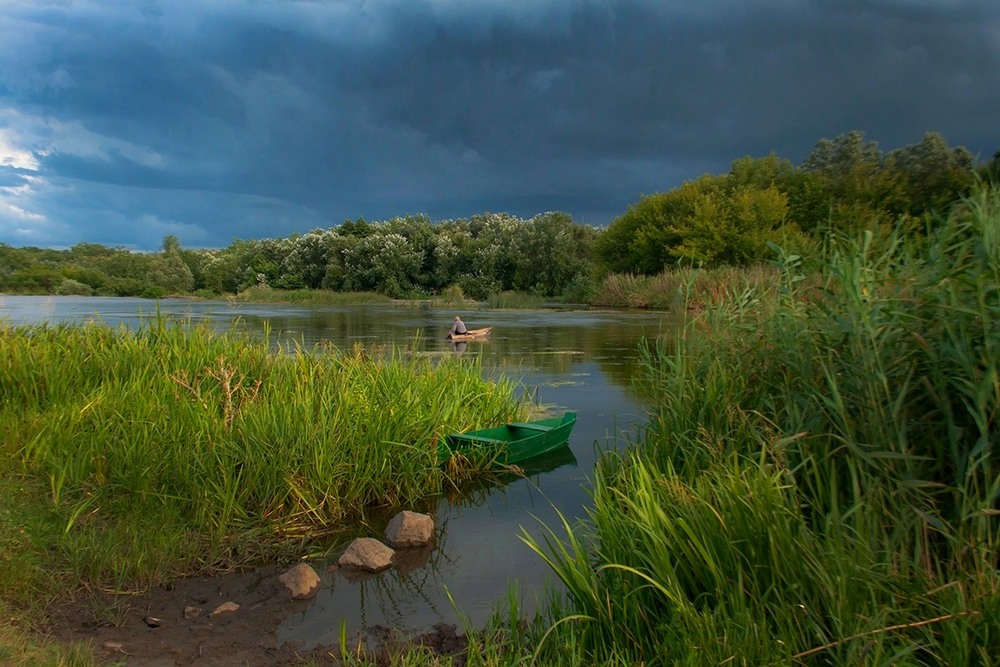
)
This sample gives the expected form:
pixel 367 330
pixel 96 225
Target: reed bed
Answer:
pixel 196 450
pixel 683 288
pixel 819 483
pixel 512 300
pixel 266 294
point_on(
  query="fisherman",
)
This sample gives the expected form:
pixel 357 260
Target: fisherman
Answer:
pixel 458 328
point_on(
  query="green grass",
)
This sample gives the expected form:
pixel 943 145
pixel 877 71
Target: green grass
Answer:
pixel 515 300
pixel 265 294
pixel 238 453
pixel 819 483
pixel 679 289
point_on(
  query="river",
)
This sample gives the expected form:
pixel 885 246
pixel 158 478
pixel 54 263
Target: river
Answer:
pixel 578 360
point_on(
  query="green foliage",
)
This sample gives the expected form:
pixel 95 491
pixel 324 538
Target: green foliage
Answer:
pixel 712 221
pixel 846 185
pixel 70 286
pixel 226 443
pixel 169 274
pixel 819 481
pixel 34 279
pixel 929 176
pixel 387 263
pixel 548 254
pixel 581 289
pixel 514 300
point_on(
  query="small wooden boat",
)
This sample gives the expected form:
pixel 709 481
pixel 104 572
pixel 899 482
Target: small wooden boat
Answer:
pixel 472 334
pixel 513 442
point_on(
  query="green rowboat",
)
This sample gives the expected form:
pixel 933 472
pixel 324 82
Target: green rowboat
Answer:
pixel 513 442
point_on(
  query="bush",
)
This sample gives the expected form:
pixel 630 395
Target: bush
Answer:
pixel 580 290
pixel 70 286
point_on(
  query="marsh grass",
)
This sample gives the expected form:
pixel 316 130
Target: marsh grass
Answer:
pixel 24 650
pixel 197 451
pixel 512 300
pixel 684 288
pixel 265 294
pixel 819 483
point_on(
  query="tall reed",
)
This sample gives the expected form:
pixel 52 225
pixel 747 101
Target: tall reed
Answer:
pixel 265 294
pixel 514 300
pixel 819 482
pixel 683 288
pixel 219 439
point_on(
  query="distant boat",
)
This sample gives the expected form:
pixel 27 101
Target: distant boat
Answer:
pixel 472 334
pixel 513 442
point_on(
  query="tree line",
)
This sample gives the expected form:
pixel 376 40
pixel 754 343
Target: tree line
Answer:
pixel 845 184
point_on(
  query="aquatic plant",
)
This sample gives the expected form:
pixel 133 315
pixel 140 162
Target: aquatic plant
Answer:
pixel 819 482
pixel 232 449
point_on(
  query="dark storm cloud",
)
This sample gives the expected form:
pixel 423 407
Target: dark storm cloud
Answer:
pixel 120 122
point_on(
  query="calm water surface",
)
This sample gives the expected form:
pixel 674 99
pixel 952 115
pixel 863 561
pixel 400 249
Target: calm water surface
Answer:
pixel 574 360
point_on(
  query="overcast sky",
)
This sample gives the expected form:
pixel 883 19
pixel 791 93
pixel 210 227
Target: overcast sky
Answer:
pixel 122 122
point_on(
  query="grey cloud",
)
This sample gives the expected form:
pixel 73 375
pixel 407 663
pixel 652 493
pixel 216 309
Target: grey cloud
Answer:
pixel 194 114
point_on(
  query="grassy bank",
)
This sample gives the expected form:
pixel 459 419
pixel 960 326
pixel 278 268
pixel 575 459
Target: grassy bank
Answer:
pixel 820 482
pixel 818 485
pixel 684 288
pixel 133 457
pixel 316 297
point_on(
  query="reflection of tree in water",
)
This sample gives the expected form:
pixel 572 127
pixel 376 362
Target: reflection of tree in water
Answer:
pixel 560 350
pixel 609 340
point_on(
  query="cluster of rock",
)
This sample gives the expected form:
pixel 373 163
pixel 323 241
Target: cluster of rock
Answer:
pixel 406 531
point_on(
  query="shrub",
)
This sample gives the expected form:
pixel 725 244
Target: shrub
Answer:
pixel 70 286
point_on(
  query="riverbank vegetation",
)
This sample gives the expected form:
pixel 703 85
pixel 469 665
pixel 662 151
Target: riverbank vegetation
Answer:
pixel 317 297
pixel 131 458
pixel 732 219
pixel 820 482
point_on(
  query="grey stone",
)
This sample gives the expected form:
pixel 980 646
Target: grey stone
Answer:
pixel 301 581
pixel 367 553
pixel 410 529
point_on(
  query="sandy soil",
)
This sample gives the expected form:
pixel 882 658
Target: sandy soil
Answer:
pixel 162 628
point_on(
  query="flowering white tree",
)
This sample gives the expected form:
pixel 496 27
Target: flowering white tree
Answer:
pixel 383 262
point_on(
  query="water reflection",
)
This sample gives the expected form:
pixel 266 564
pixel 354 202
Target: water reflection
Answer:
pixel 418 590
pixel 480 491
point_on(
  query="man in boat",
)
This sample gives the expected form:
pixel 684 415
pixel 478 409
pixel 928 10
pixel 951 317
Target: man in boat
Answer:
pixel 458 328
